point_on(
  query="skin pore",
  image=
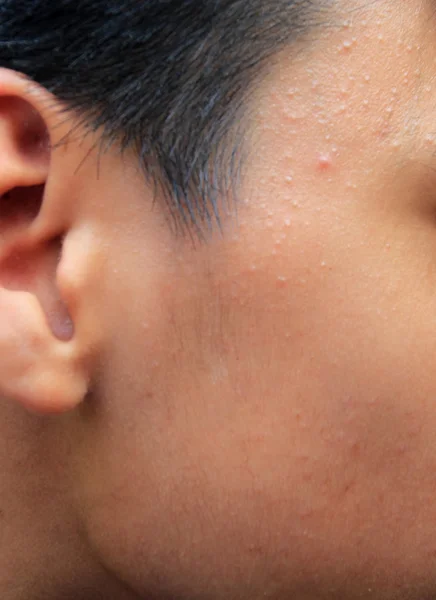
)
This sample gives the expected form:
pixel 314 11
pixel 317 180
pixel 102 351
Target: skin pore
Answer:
pixel 259 413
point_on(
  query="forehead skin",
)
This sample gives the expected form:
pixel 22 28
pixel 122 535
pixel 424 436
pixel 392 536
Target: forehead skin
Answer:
pixel 262 417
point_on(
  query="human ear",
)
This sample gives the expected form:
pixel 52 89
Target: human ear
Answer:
pixel 42 361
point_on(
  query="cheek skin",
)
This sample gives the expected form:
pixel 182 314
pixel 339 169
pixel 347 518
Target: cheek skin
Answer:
pixel 265 406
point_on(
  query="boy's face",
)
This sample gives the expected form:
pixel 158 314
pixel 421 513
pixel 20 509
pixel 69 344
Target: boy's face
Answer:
pixel 262 415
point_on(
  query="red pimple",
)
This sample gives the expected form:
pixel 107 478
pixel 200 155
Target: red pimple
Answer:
pixel 325 162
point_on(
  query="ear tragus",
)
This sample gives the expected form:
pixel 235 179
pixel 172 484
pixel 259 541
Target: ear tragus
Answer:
pixel 34 269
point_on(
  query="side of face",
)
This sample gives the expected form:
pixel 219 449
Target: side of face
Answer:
pixel 259 411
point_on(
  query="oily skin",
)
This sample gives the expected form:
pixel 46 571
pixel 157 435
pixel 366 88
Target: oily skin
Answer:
pixel 260 419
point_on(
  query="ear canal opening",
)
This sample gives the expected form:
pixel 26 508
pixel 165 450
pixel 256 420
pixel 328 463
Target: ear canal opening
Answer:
pixel 19 207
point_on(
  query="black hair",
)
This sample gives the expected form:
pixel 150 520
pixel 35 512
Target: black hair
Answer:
pixel 167 78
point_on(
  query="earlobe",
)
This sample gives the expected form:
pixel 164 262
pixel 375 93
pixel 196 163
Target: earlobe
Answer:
pixel 43 374
pixel 40 363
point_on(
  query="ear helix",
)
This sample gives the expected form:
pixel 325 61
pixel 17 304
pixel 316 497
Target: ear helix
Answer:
pixel 37 370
